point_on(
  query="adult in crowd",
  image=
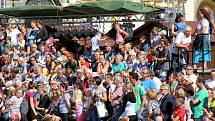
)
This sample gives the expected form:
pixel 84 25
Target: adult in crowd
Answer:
pixel 202 42
pixel 64 104
pixel 180 46
pixel 146 80
pixel 140 97
pixel 200 101
pixel 167 102
pixel 42 34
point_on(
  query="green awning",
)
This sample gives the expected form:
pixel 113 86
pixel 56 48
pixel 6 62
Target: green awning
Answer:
pixel 32 10
pixel 114 7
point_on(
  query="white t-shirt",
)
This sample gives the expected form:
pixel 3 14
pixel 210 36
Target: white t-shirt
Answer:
pixel 14 36
pixel 95 42
pixel 180 39
pixel 16 104
pixel 158 83
pixel 210 83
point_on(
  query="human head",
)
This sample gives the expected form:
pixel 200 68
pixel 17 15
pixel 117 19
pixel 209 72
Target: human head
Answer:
pixel 118 80
pixel 180 101
pixel 165 88
pixel 142 39
pixel 188 31
pixel 118 58
pixel 151 95
pixel 155 31
pixel 53 84
pixel 189 70
pixel 63 87
pixel 204 14
pixel 39 24
pixel 97 81
pixel 133 78
pixel 33 47
pixel 213 74
pixel 145 73
pixel 117 26
pixel 33 24
pixel 173 77
pixel 19 93
pixel 200 83
pixel 33 60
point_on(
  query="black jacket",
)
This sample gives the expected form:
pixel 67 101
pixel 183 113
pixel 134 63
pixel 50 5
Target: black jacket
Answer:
pixel 42 34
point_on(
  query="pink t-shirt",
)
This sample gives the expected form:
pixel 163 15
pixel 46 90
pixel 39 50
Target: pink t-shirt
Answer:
pixel 118 92
pixel 119 38
pixel 29 95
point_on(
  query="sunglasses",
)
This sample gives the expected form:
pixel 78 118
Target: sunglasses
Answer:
pixel 33 60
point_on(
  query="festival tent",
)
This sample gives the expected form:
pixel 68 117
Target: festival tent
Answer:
pixel 111 7
pixel 97 8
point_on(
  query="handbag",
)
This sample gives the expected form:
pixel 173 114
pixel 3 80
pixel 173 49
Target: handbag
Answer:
pixel 101 109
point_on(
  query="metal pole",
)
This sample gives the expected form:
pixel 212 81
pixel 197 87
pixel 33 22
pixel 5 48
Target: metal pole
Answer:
pixel 203 59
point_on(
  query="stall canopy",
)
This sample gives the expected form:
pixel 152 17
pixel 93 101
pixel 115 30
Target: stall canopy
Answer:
pixel 98 8
pixel 108 7
pixel 33 10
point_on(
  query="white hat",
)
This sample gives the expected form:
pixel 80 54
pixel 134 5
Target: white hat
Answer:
pixel 59 59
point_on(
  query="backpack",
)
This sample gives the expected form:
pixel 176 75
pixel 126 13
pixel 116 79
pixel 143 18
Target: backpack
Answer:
pixel 24 106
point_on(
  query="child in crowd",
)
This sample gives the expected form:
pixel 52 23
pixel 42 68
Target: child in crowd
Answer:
pixel 153 106
pixel 180 111
pixel 77 98
pixel 15 103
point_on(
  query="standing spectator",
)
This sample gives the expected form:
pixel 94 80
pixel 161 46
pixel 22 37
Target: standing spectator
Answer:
pixel 64 104
pixel 167 102
pixel 179 112
pixel 116 96
pixel 174 83
pixel 109 53
pixel 32 113
pixel 191 77
pixel 13 34
pixel 129 102
pixel 44 101
pixel 146 80
pixel 32 35
pixel 42 34
pixel 200 101
pixel 180 46
pixel 15 103
pixel 155 37
pixel 120 34
pixel 156 80
pixel 140 97
pixel 95 42
pixel 143 43
pixel 153 106
pixel 202 43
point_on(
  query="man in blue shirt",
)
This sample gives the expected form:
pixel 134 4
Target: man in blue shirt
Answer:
pixel 146 80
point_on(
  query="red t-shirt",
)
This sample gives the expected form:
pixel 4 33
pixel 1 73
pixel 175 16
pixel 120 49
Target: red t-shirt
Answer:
pixel 180 112
pixel 29 95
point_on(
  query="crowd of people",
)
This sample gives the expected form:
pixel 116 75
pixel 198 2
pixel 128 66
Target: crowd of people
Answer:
pixel 147 81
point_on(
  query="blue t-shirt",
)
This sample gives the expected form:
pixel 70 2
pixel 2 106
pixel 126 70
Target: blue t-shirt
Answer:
pixel 148 84
pixel 180 27
pixel 62 105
